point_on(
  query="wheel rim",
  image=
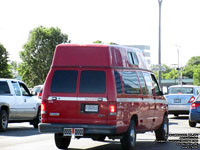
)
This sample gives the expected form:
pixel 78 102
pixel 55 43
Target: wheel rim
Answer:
pixel 4 121
pixel 132 136
pixel 166 128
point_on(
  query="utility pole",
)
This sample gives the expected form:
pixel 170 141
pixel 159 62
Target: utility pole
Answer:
pixel 159 45
pixel 179 68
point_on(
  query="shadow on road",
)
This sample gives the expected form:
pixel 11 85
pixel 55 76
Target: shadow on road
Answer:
pixel 20 131
pixel 180 117
pixel 140 145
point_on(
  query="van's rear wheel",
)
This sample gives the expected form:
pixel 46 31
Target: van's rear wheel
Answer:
pixel 129 139
pixel 3 120
pixel 61 141
pixel 163 132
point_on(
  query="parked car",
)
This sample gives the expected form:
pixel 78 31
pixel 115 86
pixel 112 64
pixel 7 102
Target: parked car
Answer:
pixel 36 89
pixel 97 91
pixel 194 115
pixel 180 97
pixel 17 104
pixel 40 92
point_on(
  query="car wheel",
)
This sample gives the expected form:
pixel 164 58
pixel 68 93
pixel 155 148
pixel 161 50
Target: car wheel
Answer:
pixel 192 124
pixel 61 141
pixel 129 139
pixel 37 120
pixel 163 132
pixel 3 120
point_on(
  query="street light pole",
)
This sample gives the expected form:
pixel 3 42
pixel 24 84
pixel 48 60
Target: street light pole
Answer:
pixel 159 45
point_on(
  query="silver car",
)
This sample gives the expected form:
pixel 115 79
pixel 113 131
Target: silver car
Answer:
pixel 180 97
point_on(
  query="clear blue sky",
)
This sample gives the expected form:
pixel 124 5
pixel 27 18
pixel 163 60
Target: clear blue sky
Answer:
pixel 126 22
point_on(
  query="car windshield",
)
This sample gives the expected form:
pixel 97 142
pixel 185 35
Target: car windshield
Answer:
pixel 180 90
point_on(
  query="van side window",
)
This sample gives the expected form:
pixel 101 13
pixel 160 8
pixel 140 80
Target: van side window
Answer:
pixel 132 57
pixel 148 82
pixel 64 81
pixel 118 82
pixel 131 82
pixel 135 58
pixel 93 82
pixel 142 83
pixel 156 88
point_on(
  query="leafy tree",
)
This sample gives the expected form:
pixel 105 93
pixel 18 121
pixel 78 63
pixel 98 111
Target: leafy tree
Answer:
pixel 191 66
pixel 14 69
pixel 196 76
pixel 194 61
pixel 98 42
pixel 4 66
pixel 38 53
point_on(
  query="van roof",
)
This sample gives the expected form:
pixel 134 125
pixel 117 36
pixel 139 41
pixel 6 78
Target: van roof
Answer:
pixel 96 55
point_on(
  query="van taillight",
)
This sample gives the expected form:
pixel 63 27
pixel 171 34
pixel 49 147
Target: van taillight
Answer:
pixel 112 109
pixel 43 108
pixel 191 99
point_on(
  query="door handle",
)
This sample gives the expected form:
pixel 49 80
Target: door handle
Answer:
pixel 25 100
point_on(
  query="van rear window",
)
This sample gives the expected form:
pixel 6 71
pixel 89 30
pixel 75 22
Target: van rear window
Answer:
pixel 93 82
pixel 64 81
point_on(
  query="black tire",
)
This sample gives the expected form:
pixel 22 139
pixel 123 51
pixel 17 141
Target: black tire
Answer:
pixel 61 141
pixel 192 124
pixel 129 139
pixel 3 120
pixel 163 132
pixel 37 120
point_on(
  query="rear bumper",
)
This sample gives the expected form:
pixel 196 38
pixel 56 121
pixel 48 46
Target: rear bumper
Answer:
pixel 88 129
pixel 178 109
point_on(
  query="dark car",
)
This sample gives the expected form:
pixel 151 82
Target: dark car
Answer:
pixel 194 116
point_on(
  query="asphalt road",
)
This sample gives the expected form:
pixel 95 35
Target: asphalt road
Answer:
pixel 22 136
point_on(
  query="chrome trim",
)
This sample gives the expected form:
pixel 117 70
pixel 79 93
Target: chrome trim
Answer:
pixel 78 98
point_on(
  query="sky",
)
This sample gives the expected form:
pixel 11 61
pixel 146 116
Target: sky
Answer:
pixel 126 22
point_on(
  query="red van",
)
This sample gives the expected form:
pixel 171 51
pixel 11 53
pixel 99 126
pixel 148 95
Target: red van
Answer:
pixel 97 91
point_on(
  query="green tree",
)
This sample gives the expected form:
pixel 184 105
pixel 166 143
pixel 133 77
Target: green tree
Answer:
pixel 98 42
pixel 38 53
pixel 196 76
pixel 191 66
pixel 4 66
pixel 14 69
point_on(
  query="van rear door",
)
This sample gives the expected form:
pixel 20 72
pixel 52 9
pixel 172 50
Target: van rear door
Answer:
pixel 78 96
pixel 92 96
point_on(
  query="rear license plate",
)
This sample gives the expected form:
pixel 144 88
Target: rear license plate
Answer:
pixel 93 108
pixel 177 100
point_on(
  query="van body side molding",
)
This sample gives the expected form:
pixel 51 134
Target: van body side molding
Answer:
pixel 79 98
